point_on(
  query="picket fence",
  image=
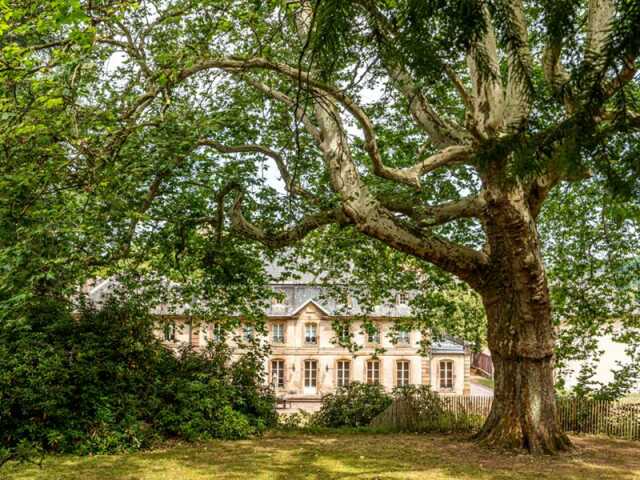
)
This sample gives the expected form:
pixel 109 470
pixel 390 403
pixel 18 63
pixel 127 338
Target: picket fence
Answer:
pixel 577 415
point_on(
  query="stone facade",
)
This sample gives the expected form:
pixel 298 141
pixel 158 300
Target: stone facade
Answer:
pixel 302 371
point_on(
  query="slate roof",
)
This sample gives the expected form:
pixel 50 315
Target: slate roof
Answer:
pixel 298 293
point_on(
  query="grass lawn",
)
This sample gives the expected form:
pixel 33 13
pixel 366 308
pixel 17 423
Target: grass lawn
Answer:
pixel 343 456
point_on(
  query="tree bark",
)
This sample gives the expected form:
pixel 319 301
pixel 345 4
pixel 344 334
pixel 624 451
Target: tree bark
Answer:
pixel 520 332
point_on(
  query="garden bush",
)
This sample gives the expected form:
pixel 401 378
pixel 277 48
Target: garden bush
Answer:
pixel 354 405
pixel 102 382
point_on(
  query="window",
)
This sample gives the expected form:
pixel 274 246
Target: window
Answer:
pixel 403 337
pixel 344 333
pixel 205 334
pixel 402 373
pixel 349 301
pixel 311 333
pixel 218 333
pixel 446 374
pixel 374 336
pixel 277 333
pixel 373 371
pixel 247 333
pixel 277 373
pixel 343 367
pixel 169 332
pixel 281 299
pixel 310 373
pixel 402 299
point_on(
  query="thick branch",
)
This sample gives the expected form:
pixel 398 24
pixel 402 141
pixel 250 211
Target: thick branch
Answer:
pixel 441 132
pixel 285 237
pixel 520 65
pixel 455 155
pixel 369 216
pixel 599 18
pixel 488 98
pixel 429 216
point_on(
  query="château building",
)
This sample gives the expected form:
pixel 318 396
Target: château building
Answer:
pixel 307 360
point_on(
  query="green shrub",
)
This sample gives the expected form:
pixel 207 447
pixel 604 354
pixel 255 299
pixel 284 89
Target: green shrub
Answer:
pixel 101 382
pixel 352 406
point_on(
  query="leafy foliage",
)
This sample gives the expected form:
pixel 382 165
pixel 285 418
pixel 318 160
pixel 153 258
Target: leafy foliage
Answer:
pixel 354 405
pixel 102 382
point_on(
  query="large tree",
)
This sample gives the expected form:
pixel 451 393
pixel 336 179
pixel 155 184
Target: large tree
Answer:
pixel 437 128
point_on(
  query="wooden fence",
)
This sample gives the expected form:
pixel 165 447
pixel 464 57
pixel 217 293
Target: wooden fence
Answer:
pixel 467 413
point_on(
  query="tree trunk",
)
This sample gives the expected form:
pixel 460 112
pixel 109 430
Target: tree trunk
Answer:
pixel 520 334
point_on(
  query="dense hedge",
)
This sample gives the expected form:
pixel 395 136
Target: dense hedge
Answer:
pixel 102 382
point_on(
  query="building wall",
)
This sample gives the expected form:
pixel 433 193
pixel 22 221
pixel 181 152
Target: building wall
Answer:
pixel 294 352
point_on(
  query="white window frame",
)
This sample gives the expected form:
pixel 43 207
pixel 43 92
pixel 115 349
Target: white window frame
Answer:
pixel 314 327
pixel 343 375
pixel 310 375
pixel 375 339
pixel 277 373
pixel 446 380
pixel 373 372
pixel 403 373
pixel 278 339
pixel 248 333
pixel 169 332
pixel 404 337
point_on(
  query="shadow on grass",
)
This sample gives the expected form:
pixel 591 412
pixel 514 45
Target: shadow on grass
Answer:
pixel 348 456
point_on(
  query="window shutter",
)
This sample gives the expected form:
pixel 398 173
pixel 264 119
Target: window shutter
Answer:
pixel 438 379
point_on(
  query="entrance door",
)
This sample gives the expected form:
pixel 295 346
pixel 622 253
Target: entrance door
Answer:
pixel 310 377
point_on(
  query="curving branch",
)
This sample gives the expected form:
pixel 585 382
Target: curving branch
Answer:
pixel 599 16
pixel 300 114
pixel 289 236
pixel 488 97
pixel 455 155
pixel 427 216
pixel 519 68
pixel 291 186
pixel 441 132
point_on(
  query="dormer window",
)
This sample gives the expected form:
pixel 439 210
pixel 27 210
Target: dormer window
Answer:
pixel 402 298
pixel 280 299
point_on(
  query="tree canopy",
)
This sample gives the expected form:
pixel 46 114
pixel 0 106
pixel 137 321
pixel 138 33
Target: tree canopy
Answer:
pixel 442 146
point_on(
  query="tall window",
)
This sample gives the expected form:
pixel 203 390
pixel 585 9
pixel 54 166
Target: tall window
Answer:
pixel 446 374
pixel 277 333
pixel 310 373
pixel 344 333
pixel 402 298
pixel 169 332
pixel 343 367
pixel 311 333
pixel 373 371
pixel 403 337
pixel 374 336
pixel 218 333
pixel 205 334
pixel 402 373
pixel 247 333
pixel 277 373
